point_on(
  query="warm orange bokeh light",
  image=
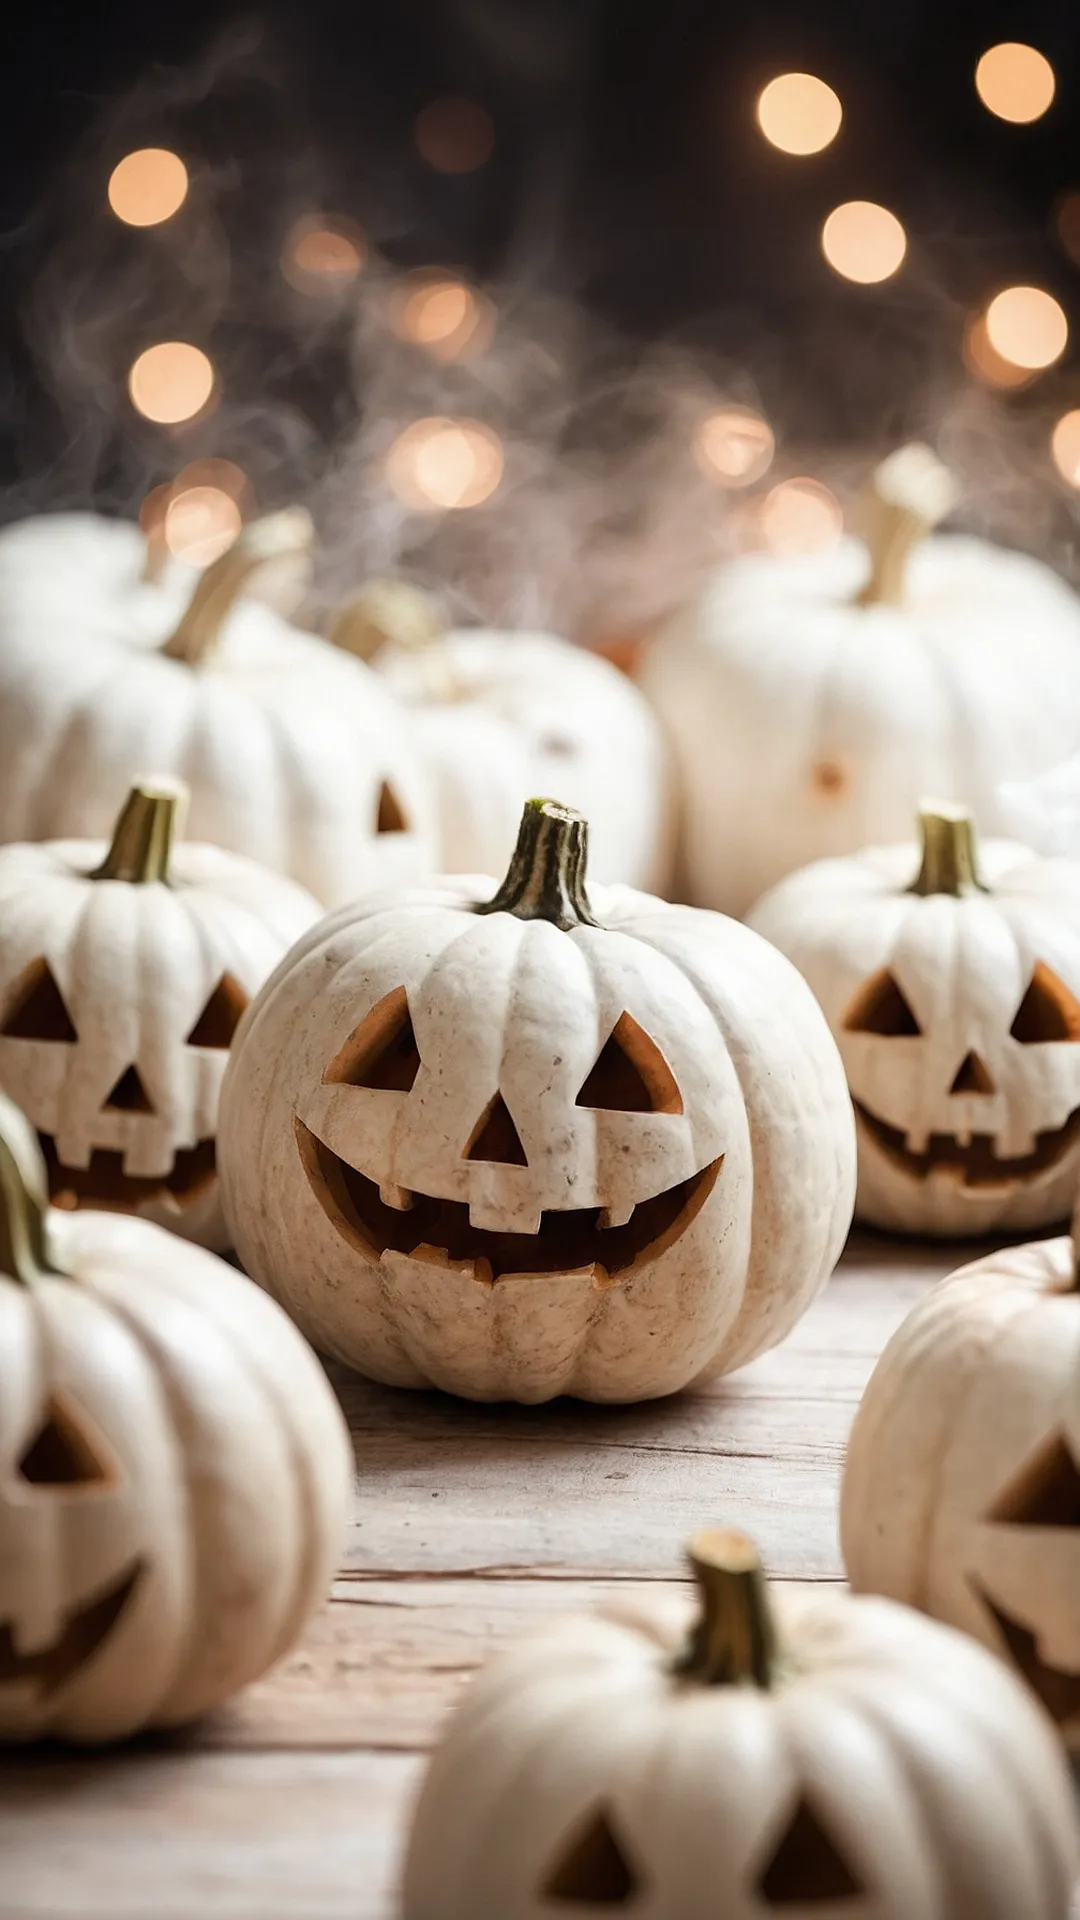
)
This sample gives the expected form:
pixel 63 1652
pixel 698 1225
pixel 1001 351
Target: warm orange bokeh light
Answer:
pixel 1027 326
pixel 323 253
pixel 1067 221
pixel 200 523
pixel 1015 81
pixel 171 382
pixel 734 446
pixel 864 242
pixel 800 516
pixel 798 113
pixel 148 186
pixel 443 315
pixel 1065 447
pixel 985 362
pixel 454 135
pixel 437 465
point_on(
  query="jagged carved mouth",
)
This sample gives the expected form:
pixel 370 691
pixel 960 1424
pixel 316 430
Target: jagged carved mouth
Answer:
pixel 974 1161
pixel 440 1233
pixel 1058 1690
pixel 105 1185
pixel 84 1630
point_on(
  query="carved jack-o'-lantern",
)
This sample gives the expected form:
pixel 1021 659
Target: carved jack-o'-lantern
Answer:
pixel 955 1000
pixel 122 981
pixel 540 1142
pixel 174 1470
pixel 788 1758
pixel 962 1488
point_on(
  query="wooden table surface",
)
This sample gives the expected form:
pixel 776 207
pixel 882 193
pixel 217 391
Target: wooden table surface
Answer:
pixel 469 1524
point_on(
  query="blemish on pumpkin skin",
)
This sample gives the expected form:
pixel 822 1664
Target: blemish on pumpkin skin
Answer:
pixel 830 778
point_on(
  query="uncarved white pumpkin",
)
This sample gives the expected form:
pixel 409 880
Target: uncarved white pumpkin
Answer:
pixel 124 972
pixel 174 1471
pixel 961 1492
pixel 534 1142
pixel 812 700
pixel 816 1754
pixel 952 985
pixel 294 754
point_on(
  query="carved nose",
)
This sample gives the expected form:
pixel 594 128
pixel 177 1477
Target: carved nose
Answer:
pixel 973 1076
pixel 129 1095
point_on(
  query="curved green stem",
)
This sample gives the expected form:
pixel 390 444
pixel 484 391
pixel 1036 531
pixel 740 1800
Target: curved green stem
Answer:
pixel 274 538
pixel 733 1642
pixel 909 493
pixel 24 1200
pixel 141 846
pixel 950 851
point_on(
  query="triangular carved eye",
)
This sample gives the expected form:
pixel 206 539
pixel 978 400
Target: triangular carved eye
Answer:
pixel 881 1006
pixel 129 1095
pixel 1048 1011
pixel 37 1010
pixel 593 1870
pixel 382 1051
pixel 1058 1689
pixel 61 1453
pixel 217 1023
pixel 495 1137
pixel 390 817
pixel 807 1869
pixel 1045 1493
pixel 631 1075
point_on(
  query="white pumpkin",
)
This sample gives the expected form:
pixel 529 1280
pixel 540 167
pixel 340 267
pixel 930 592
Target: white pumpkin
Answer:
pixel 816 1755
pixel 953 989
pixel 537 1143
pixel 295 755
pixel 961 1491
pixel 500 716
pixel 174 1471
pixel 812 700
pixel 124 972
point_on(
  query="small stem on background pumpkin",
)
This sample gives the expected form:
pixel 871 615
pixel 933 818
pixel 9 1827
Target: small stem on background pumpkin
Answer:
pixel 24 1200
pixel 733 1642
pixel 546 876
pixel 950 854
pixel 152 521
pixel 395 613
pixel 142 841
pixel 909 493
pixel 1076 1248
pixel 274 538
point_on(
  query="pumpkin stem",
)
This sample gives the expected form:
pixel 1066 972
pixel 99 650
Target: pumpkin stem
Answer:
pixel 395 613
pixel 733 1642
pixel 908 494
pixel 546 876
pixel 950 862
pixel 24 1200
pixel 143 836
pixel 220 586
pixel 1076 1248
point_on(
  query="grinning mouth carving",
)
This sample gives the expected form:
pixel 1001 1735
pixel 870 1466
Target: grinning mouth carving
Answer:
pixel 84 1630
pixel 974 1162
pixel 1058 1690
pixel 105 1185
pixel 440 1233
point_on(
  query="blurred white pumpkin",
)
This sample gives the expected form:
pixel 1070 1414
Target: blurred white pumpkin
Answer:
pixel 294 755
pixel 812 700
pixel 500 717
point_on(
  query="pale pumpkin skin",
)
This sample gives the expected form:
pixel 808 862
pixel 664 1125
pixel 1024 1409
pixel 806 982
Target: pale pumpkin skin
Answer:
pixel 287 745
pixel 964 965
pixel 136 964
pixel 807 725
pixel 221 1482
pixel 937 1781
pixel 975 1400
pixel 520 1006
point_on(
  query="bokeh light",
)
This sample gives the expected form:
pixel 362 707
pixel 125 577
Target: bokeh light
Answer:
pixel 984 361
pixel 454 135
pixel 148 187
pixel 200 523
pixel 734 446
pixel 863 242
pixel 439 464
pixel 441 314
pixel 1065 447
pixel 323 253
pixel 800 516
pixel 1027 326
pixel 171 382
pixel 798 113
pixel 1015 81
pixel 1067 221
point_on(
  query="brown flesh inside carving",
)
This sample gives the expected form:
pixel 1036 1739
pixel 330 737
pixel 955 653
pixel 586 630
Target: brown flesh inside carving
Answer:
pixel 84 1630
pixel 977 1164
pixel 105 1185
pixel 1058 1690
pixel 440 1233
